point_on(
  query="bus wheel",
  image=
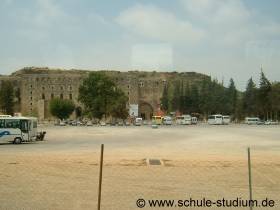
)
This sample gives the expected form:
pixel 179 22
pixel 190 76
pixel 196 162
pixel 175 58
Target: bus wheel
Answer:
pixel 17 141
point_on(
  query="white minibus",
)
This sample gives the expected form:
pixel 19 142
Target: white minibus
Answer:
pixel 226 119
pixel 216 119
pixel 184 120
pixel 187 120
pixel 194 120
pixel 179 120
pixel 167 120
pixel 138 121
pixel 19 129
pixel 252 120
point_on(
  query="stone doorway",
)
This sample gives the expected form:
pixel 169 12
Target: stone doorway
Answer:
pixel 146 111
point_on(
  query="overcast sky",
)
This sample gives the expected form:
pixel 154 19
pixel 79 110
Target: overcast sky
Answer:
pixel 221 38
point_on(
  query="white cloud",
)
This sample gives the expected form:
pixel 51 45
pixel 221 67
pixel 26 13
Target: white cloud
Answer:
pixel 229 22
pixel 218 11
pixel 152 22
pixel 152 57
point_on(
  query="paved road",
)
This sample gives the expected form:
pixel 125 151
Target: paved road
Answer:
pixel 174 141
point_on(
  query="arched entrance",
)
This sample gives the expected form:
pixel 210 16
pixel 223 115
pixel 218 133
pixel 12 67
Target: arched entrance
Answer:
pixel 146 111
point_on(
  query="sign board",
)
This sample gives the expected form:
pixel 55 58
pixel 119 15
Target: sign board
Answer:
pixel 133 110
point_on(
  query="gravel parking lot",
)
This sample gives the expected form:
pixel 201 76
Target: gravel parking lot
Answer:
pixel 198 161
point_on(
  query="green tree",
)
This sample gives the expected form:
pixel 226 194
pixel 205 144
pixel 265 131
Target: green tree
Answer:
pixel 61 108
pixel 119 108
pixel 216 101
pixel 101 96
pixel 264 103
pixel 186 100
pixel 7 96
pixel 250 99
pixel 194 98
pixel 164 99
pixel 204 99
pixel 275 99
pixel 176 98
pixel 231 98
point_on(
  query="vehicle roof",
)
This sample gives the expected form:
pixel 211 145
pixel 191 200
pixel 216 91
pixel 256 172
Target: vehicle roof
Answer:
pixel 19 118
pixel 167 117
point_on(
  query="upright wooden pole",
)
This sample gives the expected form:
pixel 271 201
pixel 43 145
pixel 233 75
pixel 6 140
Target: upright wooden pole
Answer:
pixel 100 177
pixel 250 178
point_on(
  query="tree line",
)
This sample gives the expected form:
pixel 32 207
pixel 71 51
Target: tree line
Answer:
pixel 211 97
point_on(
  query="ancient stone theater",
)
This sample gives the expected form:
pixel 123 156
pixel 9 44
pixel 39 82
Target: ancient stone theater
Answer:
pixel 35 87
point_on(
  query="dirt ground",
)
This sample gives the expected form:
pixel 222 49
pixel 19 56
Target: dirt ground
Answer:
pixel 198 161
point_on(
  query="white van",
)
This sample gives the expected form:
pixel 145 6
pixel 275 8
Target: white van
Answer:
pixel 179 120
pixel 19 129
pixel 226 119
pixel 216 119
pixel 187 120
pixel 252 120
pixel 167 120
pixel 194 120
pixel 138 121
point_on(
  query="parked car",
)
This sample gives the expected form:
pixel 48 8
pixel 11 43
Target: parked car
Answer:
pixel 62 123
pixel 120 123
pixel 167 120
pixel 80 123
pixel 102 123
pixel 216 119
pixel 113 123
pixel 138 121
pixel 226 119
pixel 270 122
pixel 127 123
pixel 260 122
pixel 89 123
pixel 74 123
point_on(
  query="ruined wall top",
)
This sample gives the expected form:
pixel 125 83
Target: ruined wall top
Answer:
pixel 135 74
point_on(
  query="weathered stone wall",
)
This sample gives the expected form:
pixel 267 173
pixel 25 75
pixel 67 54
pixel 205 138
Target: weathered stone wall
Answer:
pixel 17 89
pixel 39 85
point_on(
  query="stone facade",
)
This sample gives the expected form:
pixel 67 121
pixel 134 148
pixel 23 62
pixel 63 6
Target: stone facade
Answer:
pixel 37 86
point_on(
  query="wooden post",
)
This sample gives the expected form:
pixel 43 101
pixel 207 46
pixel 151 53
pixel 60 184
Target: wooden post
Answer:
pixel 100 177
pixel 250 178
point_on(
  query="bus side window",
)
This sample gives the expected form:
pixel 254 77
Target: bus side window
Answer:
pixel 2 123
pixel 11 123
